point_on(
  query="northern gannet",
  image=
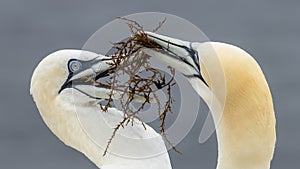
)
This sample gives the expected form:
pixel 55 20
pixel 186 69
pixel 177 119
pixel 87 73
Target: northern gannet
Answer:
pixel 62 95
pixel 246 132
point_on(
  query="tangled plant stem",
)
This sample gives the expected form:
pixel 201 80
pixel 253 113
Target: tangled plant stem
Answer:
pixel 129 60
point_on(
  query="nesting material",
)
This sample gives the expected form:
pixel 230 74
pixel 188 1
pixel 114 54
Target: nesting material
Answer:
pixel 128 60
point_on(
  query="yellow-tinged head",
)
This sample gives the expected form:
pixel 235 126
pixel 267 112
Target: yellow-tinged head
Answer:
pixel 246 131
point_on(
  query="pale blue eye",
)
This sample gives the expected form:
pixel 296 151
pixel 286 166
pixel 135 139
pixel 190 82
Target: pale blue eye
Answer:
pixel 74 65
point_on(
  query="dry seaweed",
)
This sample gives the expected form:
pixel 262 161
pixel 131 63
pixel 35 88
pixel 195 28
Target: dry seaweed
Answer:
pixel 128 60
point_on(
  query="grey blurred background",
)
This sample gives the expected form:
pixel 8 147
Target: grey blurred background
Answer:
pixel 31 29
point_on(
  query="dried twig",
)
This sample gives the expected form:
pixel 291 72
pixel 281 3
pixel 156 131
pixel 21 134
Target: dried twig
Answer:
pixel 130 61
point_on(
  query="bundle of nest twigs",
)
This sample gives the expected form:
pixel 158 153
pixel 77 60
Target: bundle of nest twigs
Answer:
pixel 129 61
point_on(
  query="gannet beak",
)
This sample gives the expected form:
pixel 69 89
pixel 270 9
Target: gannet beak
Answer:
pixel 182 55
pixel 89 72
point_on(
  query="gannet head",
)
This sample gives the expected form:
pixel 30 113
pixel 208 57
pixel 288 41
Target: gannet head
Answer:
pixel 63 95
pixel 59 88
pixel 69 71
pixel 246 133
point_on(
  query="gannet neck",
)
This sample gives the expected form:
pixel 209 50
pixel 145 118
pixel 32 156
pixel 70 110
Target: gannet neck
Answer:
pixel 246 133
pixel 79 123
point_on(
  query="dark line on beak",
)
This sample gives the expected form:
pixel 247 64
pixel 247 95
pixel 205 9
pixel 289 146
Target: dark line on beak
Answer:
pixel 104 73
pixel 166 41
pixel 67 83
pixel 192 53
pixel 93 97
pixel 197 76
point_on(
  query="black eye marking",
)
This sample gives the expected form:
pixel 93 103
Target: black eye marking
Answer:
pixel 74 65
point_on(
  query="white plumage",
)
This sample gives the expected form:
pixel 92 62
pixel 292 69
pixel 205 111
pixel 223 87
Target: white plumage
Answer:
pixel 246 132
pixel 132 148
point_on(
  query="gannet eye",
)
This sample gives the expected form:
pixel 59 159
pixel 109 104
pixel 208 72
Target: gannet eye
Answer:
pixel 74 65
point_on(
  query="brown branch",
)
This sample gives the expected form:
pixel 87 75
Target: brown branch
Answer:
pixel 128 60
